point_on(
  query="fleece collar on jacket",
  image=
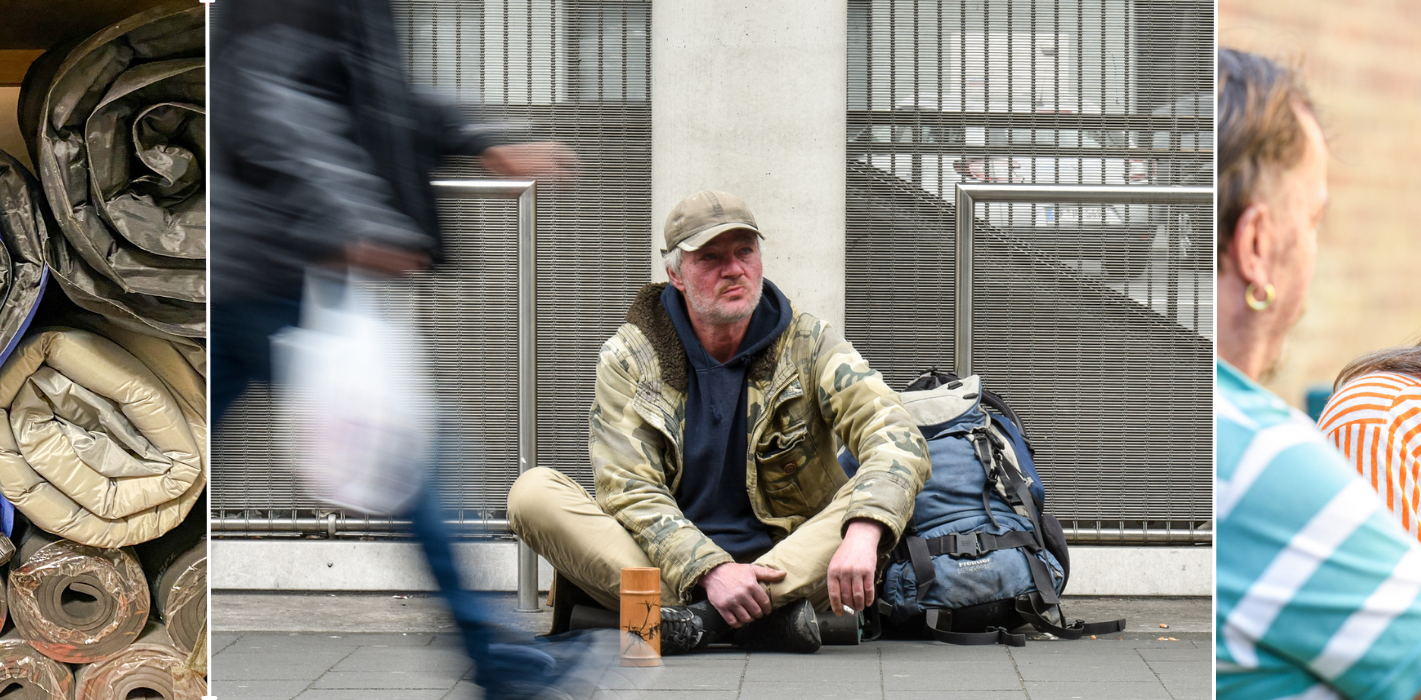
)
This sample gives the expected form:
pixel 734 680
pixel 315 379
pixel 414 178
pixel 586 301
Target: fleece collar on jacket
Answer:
pixel 648 314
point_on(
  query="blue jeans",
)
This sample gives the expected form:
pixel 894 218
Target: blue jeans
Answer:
pixel 241 354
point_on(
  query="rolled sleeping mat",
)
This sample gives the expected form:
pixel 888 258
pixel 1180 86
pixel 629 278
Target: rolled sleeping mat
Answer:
pixel 26 674
pixel 103 440
pixel 76 603
pixel 179 586
pixel 148 668
pixel 116 127
pixel 24 223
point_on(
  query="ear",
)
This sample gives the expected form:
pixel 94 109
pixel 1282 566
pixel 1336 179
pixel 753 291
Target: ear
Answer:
pixel 1254 244
pixel 676 280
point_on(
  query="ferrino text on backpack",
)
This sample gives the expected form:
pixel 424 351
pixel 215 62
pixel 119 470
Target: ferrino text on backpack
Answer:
pixel 991 558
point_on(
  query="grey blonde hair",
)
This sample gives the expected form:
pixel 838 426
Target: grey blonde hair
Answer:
pixel 672 259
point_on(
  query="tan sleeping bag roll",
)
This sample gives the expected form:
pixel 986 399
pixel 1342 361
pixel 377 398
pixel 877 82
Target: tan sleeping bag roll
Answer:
pixel 26 674
pixel 102 437
pixel 147 668
pixel 76 603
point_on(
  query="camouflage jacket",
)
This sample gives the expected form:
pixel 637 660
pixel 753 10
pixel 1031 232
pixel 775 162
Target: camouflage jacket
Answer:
pixel 805 389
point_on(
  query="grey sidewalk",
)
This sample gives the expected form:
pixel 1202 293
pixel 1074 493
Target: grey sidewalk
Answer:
pixel 313 665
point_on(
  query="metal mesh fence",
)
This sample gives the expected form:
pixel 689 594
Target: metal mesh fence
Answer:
pixel 1095 320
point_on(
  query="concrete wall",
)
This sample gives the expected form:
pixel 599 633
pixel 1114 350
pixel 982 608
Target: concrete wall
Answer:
pixel 323 565
pixel 1362 62
pixel 749 97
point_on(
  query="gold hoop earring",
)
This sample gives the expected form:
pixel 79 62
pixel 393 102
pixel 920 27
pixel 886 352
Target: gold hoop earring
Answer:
pixel 1250 296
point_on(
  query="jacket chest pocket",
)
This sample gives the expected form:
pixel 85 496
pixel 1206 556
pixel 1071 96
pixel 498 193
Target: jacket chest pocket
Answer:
pixel 781 457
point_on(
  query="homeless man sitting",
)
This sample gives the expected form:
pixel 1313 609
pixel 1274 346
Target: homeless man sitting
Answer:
pixel 713 442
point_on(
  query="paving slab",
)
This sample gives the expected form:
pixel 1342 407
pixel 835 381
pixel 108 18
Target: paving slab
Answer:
pixel 284 666
pixel 419 679
pixel 948 674
pixel 345 694
pixel 1096 690
pixel 420 664
pixel 662 695
pixel 380 659
pixel 258 690
pixel 955 695
pixel 218 642
pixel 854 690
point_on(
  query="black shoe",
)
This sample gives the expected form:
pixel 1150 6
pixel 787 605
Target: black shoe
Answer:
pixel 715 626
pixel 793 628
pixel 681 630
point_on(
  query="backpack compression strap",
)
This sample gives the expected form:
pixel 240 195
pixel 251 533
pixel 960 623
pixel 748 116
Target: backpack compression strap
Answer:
pixel 940 624
pixel 1034 610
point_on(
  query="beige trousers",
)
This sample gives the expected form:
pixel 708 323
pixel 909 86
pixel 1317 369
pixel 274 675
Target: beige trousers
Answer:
pixel 561 522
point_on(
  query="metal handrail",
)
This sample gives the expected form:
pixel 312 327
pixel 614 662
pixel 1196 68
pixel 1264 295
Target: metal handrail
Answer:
pixel 968 195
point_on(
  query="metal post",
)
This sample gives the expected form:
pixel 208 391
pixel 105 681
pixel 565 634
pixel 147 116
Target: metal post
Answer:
pixel 969 195
pixel 527 379
pixel 962 305
pixel 525 190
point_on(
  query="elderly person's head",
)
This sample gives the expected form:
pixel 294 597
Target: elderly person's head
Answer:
pixel 713 257
pixel 1272 194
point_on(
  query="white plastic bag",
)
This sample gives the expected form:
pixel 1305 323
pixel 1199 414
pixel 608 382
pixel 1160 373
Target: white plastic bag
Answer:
pixel 354 392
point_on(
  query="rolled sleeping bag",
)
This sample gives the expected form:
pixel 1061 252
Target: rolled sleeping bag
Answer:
pixel 148 668
pixel 24 223
pixel 179 586
pixel 76 603
pixel 102 439
pixel 116 127
pixel 26 674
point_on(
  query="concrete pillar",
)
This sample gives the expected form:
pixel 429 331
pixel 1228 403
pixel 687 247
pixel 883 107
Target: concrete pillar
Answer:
pixel 749 98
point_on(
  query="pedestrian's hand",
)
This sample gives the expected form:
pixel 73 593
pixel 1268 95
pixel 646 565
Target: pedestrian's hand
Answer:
pixel 735 591
pixel 384 259
pixel 851 571
pixel 543 160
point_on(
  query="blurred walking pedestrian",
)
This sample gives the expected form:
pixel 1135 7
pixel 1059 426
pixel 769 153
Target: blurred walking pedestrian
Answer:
pixel 321 157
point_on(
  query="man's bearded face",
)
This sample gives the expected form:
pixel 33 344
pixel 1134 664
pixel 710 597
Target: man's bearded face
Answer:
pixel 722 280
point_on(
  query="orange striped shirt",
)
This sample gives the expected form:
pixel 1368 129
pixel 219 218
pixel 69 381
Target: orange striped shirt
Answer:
pixel 1375 420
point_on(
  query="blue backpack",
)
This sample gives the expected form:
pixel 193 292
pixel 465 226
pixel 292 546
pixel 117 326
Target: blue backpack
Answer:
pixel 981 556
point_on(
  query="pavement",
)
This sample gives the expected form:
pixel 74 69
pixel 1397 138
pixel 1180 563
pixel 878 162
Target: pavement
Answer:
pixel 284 646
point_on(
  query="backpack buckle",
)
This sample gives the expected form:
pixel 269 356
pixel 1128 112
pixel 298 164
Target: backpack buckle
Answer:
pixel 965 546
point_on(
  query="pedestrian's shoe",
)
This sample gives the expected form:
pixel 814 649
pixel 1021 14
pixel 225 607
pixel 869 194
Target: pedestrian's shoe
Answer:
pixel 793 628
pixel 681 630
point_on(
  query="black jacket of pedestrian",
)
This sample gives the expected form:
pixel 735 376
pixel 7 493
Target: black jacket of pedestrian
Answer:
pixel 318 141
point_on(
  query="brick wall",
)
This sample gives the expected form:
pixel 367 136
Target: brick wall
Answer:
pixel 1362 62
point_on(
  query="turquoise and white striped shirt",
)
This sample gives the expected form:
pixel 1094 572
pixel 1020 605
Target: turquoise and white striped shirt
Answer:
pixel 1317 584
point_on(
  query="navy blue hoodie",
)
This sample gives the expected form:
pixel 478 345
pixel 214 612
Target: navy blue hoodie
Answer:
pixel 713 492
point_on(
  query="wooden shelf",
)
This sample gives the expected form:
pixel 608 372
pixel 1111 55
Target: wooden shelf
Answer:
pixel 29 27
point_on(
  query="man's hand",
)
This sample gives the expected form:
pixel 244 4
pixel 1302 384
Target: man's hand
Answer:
pixel 382 259
pixel 852 569
pixel 543 160
pixel 735 591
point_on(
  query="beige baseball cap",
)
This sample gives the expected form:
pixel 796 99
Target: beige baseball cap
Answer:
pixel 702 216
